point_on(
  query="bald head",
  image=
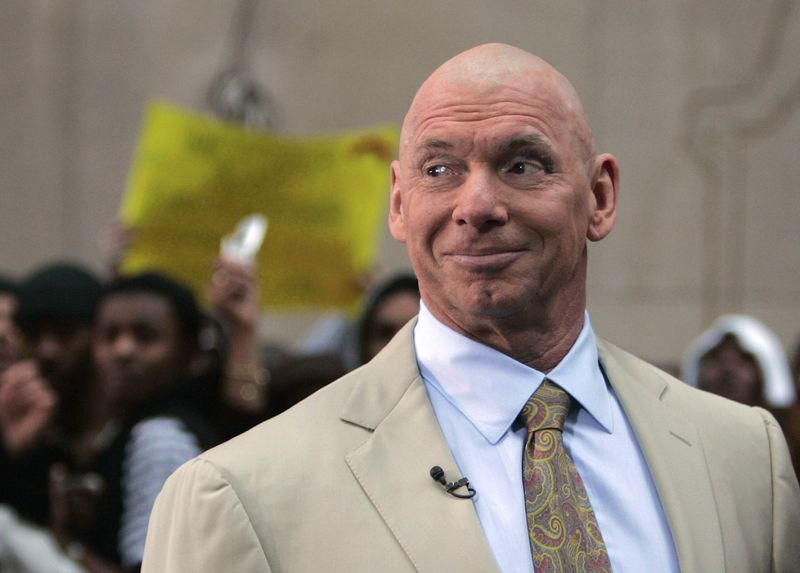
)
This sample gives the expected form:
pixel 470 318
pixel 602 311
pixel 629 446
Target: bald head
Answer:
pixel 480 73
pixel 496 193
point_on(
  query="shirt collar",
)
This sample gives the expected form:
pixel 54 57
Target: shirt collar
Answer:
pixel 490 388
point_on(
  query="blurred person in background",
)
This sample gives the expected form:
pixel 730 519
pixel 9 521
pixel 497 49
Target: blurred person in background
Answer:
pixel 338 346
pixel 146 346
pixel 244 380
pixel 739 358
pixel 55 312
pixel 388 306
pixel 240 394
pixel 50 407
pixel 26 548
pixel 256 380
pixel 232 368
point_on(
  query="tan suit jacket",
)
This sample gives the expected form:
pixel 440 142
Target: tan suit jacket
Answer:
pixel 341 482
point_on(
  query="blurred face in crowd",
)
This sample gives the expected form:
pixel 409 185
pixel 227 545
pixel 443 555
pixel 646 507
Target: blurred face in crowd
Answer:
pixel 62 350
pixel 10 341
pixel 388 317
pixel 496 191
pixel 731 372
pixel 140 351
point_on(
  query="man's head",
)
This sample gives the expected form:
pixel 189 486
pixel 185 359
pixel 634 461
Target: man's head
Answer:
pixel 497 189
pixel 740 358
pixel 728 370
pixel 10 340
pixel 388 308
pixel 145 337
pixel 55 311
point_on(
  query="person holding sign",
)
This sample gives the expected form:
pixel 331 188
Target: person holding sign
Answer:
pixel 496 432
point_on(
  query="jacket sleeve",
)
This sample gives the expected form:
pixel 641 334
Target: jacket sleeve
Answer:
pixel 199 524
pixel 785 501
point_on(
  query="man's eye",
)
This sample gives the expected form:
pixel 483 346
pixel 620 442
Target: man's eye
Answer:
pixel 146 335
pixel 524 167
pixel 107 335
pixel 437 170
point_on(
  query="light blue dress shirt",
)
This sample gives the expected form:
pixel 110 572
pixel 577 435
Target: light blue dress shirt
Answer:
pixel 477 392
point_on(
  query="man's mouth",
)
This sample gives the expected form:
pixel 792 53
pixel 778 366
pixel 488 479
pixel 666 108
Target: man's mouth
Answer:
pixel 121 376
pixel 485 260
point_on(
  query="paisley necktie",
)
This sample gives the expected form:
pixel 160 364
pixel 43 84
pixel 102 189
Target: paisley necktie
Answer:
pixel 562 527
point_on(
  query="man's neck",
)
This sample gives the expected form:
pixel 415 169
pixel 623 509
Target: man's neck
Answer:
pixel 540 341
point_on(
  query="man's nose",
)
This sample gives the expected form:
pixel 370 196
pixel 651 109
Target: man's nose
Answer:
pixel 124 346
pixel 48 347
pixel 480 202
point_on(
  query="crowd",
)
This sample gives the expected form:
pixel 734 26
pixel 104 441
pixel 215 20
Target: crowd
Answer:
pixel 107 386
pixel 550 449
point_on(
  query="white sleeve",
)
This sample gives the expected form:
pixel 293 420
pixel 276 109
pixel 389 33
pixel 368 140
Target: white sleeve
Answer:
pixel 156 448
pixel 26 547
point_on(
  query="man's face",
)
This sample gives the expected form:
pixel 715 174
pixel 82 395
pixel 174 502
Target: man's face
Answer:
pixel 729 371
pixel 62 351
pixel 10 340
pixel 388 317
pixel 139 350
pixel 493 196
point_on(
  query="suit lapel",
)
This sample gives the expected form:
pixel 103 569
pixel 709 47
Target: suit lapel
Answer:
pixel 438 532
pixel 675 457
pixel 442 533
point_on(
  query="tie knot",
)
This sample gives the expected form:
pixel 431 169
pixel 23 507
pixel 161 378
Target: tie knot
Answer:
pixel 546 409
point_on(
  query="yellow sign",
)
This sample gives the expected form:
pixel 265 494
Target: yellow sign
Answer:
pixel 193 178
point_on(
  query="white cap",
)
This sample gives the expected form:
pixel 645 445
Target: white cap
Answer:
pixel 755 338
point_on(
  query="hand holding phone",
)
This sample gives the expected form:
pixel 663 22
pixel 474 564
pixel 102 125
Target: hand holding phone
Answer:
pixel 243 244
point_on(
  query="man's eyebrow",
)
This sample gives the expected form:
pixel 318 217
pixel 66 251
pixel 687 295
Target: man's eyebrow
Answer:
pixel 535 141
pixel 436 144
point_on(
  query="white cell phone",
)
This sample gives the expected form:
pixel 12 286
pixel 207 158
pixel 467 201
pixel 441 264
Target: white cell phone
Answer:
pixel 243 244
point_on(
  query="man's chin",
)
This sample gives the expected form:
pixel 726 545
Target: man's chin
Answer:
pixel 496 303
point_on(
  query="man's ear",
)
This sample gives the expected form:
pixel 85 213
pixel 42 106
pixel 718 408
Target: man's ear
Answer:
pixel 605 187
pixel 397 223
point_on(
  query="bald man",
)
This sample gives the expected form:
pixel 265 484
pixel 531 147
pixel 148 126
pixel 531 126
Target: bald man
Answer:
pixel 549 448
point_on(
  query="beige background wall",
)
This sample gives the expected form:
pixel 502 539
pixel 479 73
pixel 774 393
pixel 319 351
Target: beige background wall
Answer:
pixel 699 100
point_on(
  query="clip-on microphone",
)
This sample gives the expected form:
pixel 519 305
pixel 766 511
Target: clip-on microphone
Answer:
pixel 437 474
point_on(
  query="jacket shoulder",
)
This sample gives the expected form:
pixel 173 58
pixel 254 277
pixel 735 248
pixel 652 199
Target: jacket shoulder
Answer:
pixel 304 427
pixel 623 368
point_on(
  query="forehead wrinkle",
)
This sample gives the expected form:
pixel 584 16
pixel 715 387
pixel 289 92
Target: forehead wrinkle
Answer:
pixel 501 144
pixel 548 119
pixel 479 74
pixel 520 127
pixel 542 112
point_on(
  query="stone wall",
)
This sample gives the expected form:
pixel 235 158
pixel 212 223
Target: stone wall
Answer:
pixel 699 101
